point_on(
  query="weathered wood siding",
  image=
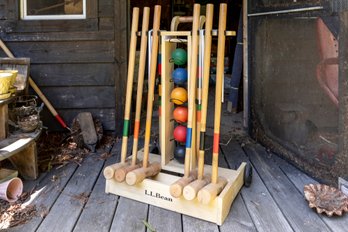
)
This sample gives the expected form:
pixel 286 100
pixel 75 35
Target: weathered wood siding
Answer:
pixel 79 65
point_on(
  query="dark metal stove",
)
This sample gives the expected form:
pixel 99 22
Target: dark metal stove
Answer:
pixel 298 82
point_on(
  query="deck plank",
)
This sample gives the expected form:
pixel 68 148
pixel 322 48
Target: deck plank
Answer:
pixel 129 216
pixel 164 220
pixel 69 205
pixel 291 202
pixel 191 224
pixel 46 193
pixel 262 208
pixel 238 218
pixel 300 179
pixel 99 211
pixel 269 204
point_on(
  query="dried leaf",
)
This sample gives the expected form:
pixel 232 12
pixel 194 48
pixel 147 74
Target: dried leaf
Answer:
pixel 148 226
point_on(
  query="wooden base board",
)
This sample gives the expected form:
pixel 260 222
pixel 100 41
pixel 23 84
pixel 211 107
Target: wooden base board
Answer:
pixel 155 191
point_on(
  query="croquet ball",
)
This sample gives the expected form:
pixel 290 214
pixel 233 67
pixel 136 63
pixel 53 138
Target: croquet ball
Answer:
pixel 179 76
pixel 179 153
pixel 180 114
pixel 178 96
pixel 179 56
pixel 180 134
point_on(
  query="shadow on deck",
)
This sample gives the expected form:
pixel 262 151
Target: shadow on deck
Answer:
pixel 73 199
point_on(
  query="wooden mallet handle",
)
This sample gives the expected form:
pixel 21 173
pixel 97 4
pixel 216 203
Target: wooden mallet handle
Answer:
pixel 138 175
pixel 130 75
pixel 205 87
pixel 140 87
pixel 218 89
pixel 192 89
pixel 151 88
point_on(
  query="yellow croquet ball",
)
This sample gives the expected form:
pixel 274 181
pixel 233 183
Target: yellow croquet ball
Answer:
pixel 178 96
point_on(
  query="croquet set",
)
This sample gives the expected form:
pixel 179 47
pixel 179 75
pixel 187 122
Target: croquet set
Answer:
pixel 178 179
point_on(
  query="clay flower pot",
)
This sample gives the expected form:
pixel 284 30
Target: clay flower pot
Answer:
pixel 11 190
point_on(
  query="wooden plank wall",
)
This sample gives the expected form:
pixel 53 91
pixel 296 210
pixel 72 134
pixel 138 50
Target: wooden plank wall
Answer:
pixel 80 65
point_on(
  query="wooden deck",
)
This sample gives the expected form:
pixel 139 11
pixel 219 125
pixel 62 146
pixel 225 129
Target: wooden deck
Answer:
pixel 73 199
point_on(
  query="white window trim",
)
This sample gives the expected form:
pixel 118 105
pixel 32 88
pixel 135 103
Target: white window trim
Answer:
pixel 24 15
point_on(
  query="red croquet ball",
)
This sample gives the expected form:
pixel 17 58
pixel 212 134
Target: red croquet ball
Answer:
pixel 180 114
pixel 180 134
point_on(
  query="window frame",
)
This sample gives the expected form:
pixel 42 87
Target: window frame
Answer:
pixel 14 24
pixel 25 16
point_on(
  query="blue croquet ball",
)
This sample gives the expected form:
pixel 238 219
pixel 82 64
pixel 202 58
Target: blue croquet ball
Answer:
pixel 179 76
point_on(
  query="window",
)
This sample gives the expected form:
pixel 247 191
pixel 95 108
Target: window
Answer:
pixel 53 9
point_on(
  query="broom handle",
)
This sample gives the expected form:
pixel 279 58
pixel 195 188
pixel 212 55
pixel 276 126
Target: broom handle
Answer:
pixel 37 90
pixel 218 89
pixel 155 32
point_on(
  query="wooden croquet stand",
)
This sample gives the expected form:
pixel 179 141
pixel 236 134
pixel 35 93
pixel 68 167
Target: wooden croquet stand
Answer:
pixel 156 190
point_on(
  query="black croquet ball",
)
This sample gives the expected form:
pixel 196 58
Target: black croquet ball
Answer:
pixel 179 153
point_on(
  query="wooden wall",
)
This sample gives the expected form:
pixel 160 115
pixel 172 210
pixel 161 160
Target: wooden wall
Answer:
pixel 80 65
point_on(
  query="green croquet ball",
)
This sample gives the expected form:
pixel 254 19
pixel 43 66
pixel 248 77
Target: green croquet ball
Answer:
pixel 179 56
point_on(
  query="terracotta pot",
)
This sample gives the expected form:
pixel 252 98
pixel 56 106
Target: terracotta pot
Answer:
pixel 11 189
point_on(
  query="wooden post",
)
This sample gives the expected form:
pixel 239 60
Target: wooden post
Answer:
pixel 245 66
pixel 3 121
pixel 25 161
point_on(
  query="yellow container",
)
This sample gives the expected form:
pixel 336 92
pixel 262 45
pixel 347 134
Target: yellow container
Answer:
pixel 14 75
pixel 5 82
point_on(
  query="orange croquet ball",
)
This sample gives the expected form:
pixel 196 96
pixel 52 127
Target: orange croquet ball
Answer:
pixel 180 134
pixel 180 114
pixel 178 96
